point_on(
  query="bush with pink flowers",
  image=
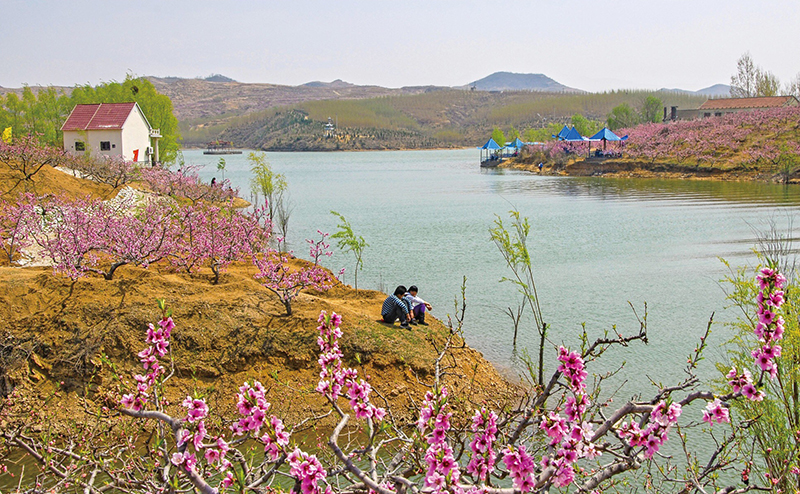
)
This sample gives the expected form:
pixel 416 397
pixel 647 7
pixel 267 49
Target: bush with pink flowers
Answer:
pixel 735 139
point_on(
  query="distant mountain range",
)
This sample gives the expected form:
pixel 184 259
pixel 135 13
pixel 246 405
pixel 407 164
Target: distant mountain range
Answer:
pixel 716 90
pixel 509 81
pixel 282 117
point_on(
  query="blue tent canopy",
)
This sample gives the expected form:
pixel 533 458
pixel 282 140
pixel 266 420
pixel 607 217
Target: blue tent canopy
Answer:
pixel 562 133
pixel 607 135
pixel 491 145
pixel 516 144
pixel 573 136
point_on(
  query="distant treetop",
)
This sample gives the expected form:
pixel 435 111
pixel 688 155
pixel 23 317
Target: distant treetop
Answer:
pixel 218 78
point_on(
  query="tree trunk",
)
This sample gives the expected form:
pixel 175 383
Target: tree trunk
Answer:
pixel 110 274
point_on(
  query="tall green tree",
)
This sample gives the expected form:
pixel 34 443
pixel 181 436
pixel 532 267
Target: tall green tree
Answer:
pixel 622 116
pixel 513 133
pixel 652 109
pixel 767 84
pixel 543 134
pixel 499 137
pixel 583 125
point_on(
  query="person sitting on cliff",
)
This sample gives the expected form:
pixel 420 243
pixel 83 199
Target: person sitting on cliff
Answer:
pixel 394 308
pixel 418 306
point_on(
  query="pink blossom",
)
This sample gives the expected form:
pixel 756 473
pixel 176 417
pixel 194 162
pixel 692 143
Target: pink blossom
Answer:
pixel 750 392
pixel 716 412
pixel 334 376
pixel 227 481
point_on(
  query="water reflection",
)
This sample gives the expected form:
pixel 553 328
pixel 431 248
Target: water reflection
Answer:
pixel 686 192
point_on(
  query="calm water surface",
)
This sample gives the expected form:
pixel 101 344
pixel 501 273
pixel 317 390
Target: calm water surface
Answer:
pixel 597 243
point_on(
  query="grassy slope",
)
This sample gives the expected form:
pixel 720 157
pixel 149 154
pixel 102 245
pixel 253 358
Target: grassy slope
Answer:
pixel 439 118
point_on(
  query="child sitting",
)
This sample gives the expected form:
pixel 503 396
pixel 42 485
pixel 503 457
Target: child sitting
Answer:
pixel 417 305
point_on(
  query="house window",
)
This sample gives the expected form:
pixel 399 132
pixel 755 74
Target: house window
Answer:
pixel 718 114
pixel 80 146
pixel 705 115
pixel 105 145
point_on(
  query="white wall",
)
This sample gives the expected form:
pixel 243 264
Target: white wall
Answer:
pixel 92 138
pixel 135 135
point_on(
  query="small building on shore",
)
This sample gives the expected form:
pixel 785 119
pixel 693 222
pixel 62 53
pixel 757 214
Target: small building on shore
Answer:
pixel 330 128
pixel 718 107
pixel 111 129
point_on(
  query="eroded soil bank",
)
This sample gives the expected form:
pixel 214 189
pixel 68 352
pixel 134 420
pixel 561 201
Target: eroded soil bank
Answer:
pixel 56 333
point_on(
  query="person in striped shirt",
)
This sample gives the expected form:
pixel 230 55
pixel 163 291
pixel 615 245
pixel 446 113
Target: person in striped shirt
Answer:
pixel 394 308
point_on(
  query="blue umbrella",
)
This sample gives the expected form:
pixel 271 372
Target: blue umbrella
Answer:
pixel 491 145
pixel 606 135
pixel 562 133
pixel 574 136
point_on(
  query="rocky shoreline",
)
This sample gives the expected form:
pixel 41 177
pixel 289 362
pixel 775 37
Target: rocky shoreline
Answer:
pixel 622 168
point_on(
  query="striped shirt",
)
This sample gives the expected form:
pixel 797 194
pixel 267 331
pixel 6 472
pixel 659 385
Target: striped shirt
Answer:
pixel 390 303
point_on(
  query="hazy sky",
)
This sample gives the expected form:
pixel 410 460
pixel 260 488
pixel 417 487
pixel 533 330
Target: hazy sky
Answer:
pixel 592 45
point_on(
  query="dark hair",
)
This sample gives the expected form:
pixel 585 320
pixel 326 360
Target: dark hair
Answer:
pixel 413 288
pixel 400 290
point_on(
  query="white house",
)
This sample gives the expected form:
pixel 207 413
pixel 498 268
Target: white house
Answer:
pixel 111 129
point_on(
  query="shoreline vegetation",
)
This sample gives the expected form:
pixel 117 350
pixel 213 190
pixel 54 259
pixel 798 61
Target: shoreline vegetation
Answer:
pixel 626 168
pixel 758 145
pixel 61 335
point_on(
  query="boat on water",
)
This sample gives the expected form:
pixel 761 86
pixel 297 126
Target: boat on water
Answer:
pixel 221 147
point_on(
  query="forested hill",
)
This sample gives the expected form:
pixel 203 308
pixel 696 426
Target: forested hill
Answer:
pixel 432 119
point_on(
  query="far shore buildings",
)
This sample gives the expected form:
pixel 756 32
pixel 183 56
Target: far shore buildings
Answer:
pixel 722 106
pixel 111 129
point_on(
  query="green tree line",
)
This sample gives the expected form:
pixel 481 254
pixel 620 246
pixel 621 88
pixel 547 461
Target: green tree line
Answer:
pixel 42 113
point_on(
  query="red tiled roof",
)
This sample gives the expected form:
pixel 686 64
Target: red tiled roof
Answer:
pixel 733 103
pixel 99 116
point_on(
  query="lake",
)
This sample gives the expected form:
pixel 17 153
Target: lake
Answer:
pixel 596 244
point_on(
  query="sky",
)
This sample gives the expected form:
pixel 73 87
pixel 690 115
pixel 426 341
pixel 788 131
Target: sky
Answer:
pixel 591 45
